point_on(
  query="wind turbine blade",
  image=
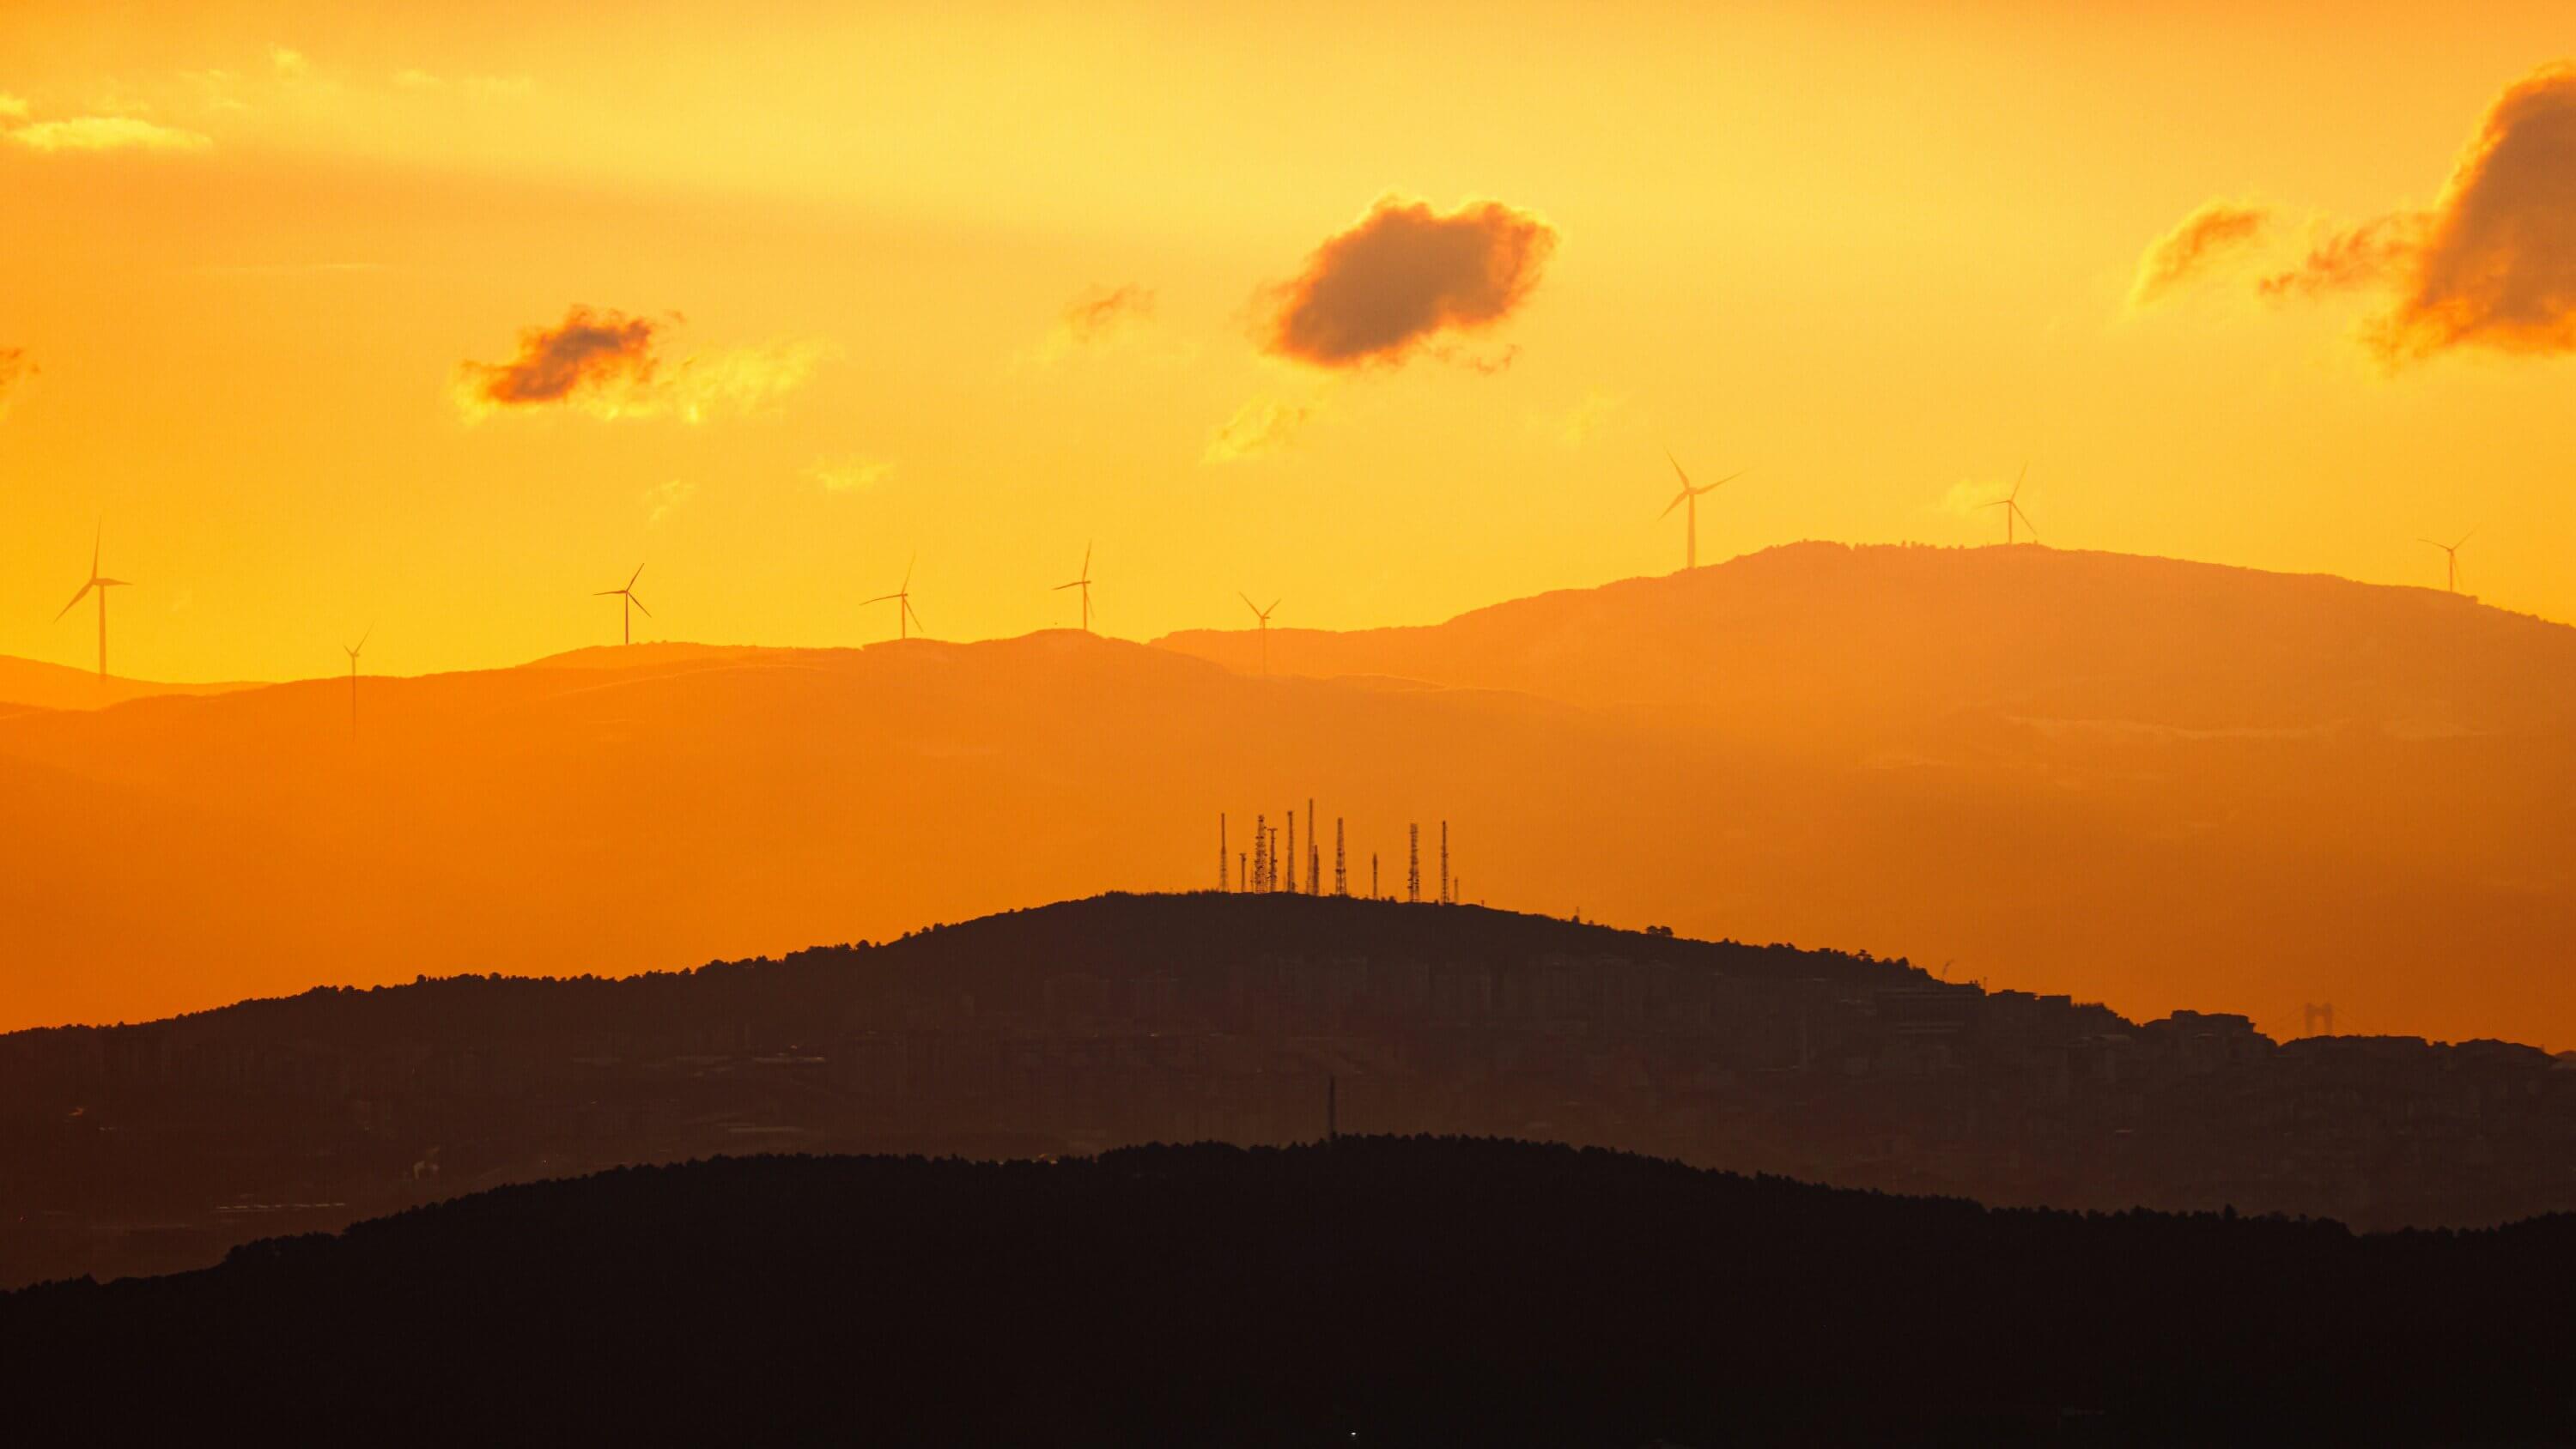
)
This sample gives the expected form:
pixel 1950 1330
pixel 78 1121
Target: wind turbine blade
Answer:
pixel 881 598
pixel 1060 588
pixel 1273 609
pixel 1729 478
pixel 639 606
pixel 2472 533
pixel 363 638
pixel 2446 548
pixel 907 572
pixel 2020 478
pixel 1676 503
pixel 95 540
pixel 1677 469
pixel 76 598
pixel 1086 559
pixel 631 578
pixel 915 613
pixel 1247 602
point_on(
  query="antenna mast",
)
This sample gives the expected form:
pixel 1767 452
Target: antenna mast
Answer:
pixel 1341 862
pixel 1223 855
pixel 1413 862
pixel 1444 864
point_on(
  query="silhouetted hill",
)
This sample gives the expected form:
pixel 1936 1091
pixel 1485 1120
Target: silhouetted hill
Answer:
pixel 1129 1019
pixel 33 684
pixel 1372 1291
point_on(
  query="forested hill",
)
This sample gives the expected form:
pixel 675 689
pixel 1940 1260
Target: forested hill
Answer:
pixel 1370 1291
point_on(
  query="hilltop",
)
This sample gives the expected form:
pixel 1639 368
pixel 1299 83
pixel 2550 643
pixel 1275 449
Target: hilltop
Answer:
pixel 1377 1291
pixel 1132 1019
pixel 2155 784
pixel 32 684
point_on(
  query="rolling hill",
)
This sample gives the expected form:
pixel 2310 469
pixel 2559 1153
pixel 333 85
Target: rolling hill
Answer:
pixel 1370 1291
pixel 32 684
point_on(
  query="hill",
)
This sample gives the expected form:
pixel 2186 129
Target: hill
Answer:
pixel 1134 1019
pixel 33 684
pixel 1376 1291
pixel 2159 785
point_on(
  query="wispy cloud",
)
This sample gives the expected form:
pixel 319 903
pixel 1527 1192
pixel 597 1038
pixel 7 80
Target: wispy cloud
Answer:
pixel 1402 276
pixel 662 498
pixel 105 133
pixel 1574 426
pixel 12 108
pixel 609 365
pixel 849 475
pixel 288 62
pixel 1258 428
pixel 14 367
pixel 2198 243
pixel 1095 319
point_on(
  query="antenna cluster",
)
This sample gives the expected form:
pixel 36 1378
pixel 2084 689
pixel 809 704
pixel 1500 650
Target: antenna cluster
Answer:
pixel 1271 866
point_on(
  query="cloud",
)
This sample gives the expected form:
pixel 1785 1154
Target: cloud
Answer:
pixel 1403 275
pixel 14 368
pixel 608 364
pixel 1968 496
pixel 662 498
pixel 1576 425
pixel 105 133
pixel 288 63
pixel 2219 230
pixel 2491 264
pixel 1259 427
pixel 2350 258
pixel 12 108
pixel 849 475
pixel 2497 264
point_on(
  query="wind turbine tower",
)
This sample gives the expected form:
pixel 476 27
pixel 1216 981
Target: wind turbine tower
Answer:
pixel 1314 853
pixel 2451 553
pixel 101 584
pixel 904 617
pixel 1223 855
pixel 352 651
pixel 1263 615
pixel 1083 583
pixel 1688 499
pixel 627 612
pixel 1444 862
pixel 2010 503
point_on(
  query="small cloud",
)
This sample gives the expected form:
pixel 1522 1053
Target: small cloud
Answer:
pixel 609 365
pixel 499 85
pixel 106 133
pixel 14 368
pixel 662 498
pixel 2350 258
pixel 1260 427
pixel 1968 496
pixel 1403 275
pixel 288 63
pixel 12 108
pixel 849 475
pixel 1576 425
pixel 1094 319
pixel 415 80
pixel 2217 231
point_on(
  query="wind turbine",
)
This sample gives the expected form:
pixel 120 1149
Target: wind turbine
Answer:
pixel 1084 584
pixel 1263 615
pixel 632 603
pixel 102 585
pixel 1690 495
pixel 2452 552
pixel 352 651
pixel 2010 503
pixel 902 597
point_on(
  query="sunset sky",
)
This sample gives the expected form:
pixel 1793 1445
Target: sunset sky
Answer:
pixel 441 320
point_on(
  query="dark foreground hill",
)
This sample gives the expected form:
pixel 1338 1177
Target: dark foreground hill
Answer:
pixel 1368 1291
pixel 1130 1019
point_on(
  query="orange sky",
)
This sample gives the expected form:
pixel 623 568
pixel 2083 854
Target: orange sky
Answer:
pixel 1879 253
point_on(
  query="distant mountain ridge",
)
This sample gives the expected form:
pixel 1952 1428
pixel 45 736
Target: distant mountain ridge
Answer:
pixel 34 684
pixel 2153 783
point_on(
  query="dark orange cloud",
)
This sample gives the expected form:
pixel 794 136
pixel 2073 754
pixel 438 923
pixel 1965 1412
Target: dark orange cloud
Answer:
pixel 2207 236
pixel 1403 275
pixel 2491 264
pixel 608 364
pixel 2497 265
pixel 589 352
